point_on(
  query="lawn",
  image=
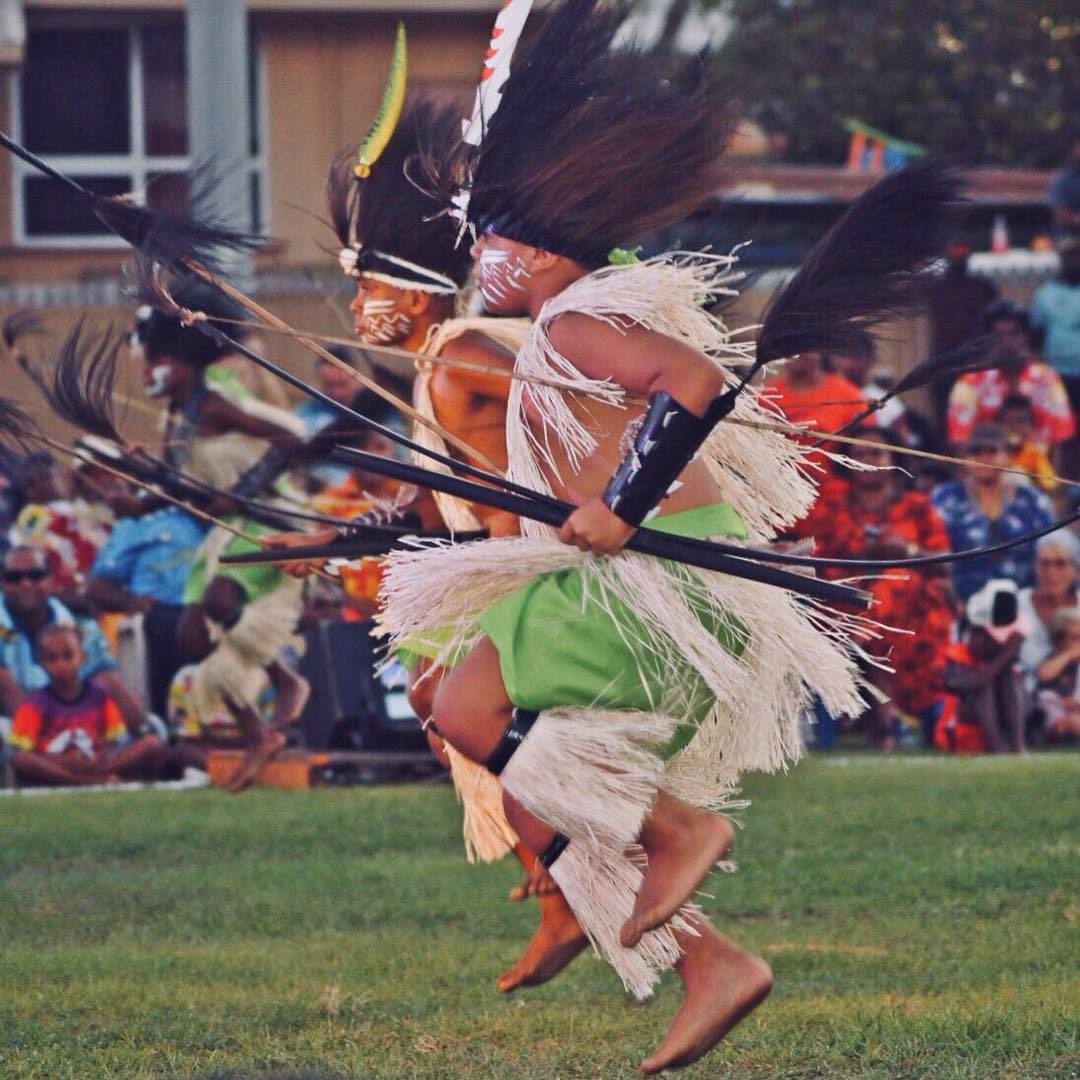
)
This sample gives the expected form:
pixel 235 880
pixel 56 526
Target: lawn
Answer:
pixel 921 916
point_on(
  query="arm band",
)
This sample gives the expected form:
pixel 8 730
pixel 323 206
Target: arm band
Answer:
pixel 669 438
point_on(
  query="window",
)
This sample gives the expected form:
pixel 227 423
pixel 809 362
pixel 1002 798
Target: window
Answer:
pixel 108 105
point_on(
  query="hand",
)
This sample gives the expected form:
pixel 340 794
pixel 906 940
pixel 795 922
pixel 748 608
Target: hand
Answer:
pixel 302 567
pixel 593 527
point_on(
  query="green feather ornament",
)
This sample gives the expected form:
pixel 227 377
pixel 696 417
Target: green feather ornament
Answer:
pixel 386 118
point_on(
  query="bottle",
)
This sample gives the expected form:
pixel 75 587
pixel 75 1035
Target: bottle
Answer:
pixel 999 235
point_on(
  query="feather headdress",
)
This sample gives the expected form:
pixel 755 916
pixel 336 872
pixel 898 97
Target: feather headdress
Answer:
pixel 390 229
pixel 590 143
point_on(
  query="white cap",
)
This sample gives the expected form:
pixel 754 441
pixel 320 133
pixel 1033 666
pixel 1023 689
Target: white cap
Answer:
pixel 995 609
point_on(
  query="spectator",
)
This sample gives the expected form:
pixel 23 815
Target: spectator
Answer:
pixel 240 689
pixel 142 570
pixel 977 397
pixel 1017 419
pixel 868 515
pixel 68 527
pixel 808 394
pixel 1057 571
pixel 316 415
pixel 1058 696
pixel 989 506
pixel 70 731
pixel 957 301
pixel 981 711
pixel 26 609
pixel 1055 310
pixel 1064 195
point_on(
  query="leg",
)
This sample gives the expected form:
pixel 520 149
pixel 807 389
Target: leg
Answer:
pixel 682 844
pixel 142 759
pixel 53 769
pixel 559 937
pixel 722 985
pixel 263 745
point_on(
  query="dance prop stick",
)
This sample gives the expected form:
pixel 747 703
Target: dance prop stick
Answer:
pixel 703 554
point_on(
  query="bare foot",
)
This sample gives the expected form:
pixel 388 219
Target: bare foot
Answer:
pixel 558 939
pixel 683 844
pixel 537 881
pixel 723 984
pixel 270 744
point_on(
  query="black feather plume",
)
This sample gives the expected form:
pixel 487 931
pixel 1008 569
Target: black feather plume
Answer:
pixel 16 426
pixel 866 268
pixel 80 387
pixel 20 323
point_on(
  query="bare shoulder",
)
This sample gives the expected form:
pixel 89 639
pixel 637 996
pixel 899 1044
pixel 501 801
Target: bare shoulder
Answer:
pixel 628 353
pixel 477 348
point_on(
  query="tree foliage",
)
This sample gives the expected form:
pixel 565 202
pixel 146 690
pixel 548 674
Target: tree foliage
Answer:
pixel 992 81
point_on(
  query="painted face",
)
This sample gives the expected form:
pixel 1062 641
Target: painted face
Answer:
pixel 381 317
pixel 501 274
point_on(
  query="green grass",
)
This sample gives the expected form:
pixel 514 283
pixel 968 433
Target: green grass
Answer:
pixel 921 917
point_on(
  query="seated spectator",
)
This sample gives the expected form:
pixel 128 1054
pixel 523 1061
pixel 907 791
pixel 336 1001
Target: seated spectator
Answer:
pixel 25 610
pixel 989 506
pixel 71 731
pixel 1055 310
pixel 981 711
pixel 142 569
pixel 1057 572
pixel 1017 419
pixel 1058 687
pixel 239 688
pixel 869 515
pixel 68 527
pixel 808 394
pixel 976 398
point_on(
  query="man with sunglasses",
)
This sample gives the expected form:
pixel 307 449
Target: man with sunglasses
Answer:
pixel 25 609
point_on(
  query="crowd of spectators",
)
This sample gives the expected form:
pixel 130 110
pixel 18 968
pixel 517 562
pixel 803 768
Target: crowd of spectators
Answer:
pixel 988 649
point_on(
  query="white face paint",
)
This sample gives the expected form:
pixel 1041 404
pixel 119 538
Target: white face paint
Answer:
pixel 156 386
pixel 380 324
pixel 500 275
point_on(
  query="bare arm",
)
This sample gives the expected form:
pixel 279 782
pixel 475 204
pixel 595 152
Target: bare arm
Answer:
pixel 106 595
pixel 131 708
pixel 224 415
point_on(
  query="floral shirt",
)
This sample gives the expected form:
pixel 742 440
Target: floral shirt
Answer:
pixel 969 527
pixel 976 398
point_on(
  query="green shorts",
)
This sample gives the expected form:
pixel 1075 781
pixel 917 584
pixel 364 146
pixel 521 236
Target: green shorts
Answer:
pixel 559 646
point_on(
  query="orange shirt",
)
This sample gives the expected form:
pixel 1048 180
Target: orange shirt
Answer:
pixel 826 407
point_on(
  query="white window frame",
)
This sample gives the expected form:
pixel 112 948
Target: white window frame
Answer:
pixel 136 163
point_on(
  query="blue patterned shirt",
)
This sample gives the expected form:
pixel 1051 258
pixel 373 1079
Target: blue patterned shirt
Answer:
pixel 969 527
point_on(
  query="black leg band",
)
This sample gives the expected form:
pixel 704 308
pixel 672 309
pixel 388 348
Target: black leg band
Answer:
pixel 521 722
pixel 553 850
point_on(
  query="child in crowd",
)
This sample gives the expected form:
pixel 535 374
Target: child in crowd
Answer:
pixel 71 731
pixel 1017 417
pixel 1058 695
pixel 981 711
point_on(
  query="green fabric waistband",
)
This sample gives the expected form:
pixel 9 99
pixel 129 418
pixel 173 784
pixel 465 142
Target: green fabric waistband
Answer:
pixel 701 522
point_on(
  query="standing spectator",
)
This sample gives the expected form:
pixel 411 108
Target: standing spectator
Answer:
pixel 1057 571
pixel 71 731
pixel 981 711
pixel 1064 195
pixel 142 570
pixel 26 609
pixel 989 506
pixel 868 515
pixel 977 397
pixel 1055 310
pixel 956 301
pixel 1017 419
pixel 808 394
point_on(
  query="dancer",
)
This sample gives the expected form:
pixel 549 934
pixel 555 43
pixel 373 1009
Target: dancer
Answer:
pixel 409 275
pixel 579 673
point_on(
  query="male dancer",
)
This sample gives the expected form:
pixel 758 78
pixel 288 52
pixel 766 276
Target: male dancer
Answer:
pixel 590 146
pixel 409 275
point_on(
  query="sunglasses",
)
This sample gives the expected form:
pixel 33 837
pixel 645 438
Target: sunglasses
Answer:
pixel 13 577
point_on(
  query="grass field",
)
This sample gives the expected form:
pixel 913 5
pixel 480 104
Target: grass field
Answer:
pixel 922 918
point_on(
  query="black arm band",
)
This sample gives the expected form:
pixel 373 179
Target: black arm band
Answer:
pixel 669 438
